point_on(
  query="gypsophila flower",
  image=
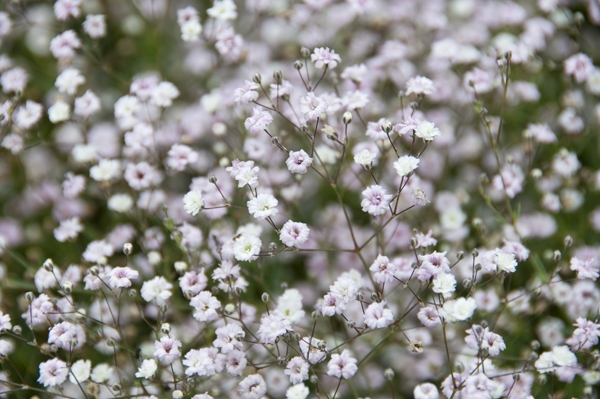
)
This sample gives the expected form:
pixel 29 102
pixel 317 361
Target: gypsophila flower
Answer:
pixel 376 200
pixel 63 46
pixel 426 391
pixel 67 336
pixel 252 387
pixel 204 362
pixel 271 327
pixel 60 111
pixel 586 269
pixel 505 262
pixel 86 105
pixel 427 131
pixel 298 162
pixel 101 373
pixel 246 94
pixel 406 164
pixel 193 202
pixel 235 363
pixel 323 57
pixel 259 121
pixel 228 338
pixel 579 66
pixel 80 371
pixel 458 310
pixel 445 284
pixel 157 290
pixel 25 116
pixel 164 94
pixel 46 279
pixel 14 80
pixel 53 372
pixel 120 203
pixel 120 277
pixel 383 270
pixel 106 170
pixel 246 247
pixel 377 316
pixel 95 26
pixel 167 350
pixel 206 306
pixel 190 31
pixel 298 391
pixel 429 317
pixel 224 10
pixel 342 366
pixel 419 85
pixel 68 81
pixel 69 229
pixel 312 106
pixel 263 206
pixel 294 234
pixel 365 158
pixel 5 322
pixel 297 369
pixel 147 369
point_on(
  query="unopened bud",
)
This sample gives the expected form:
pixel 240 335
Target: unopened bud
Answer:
pixel 347 117
pixel 284 286
pixel 305 52
pixel 484 323
pixel 484 179
pixel 535 345
pixel 316 314
pixel 132 293
pixel 163 308
pixel 459 367
pixel 568 241
pixel 110 341
pixel 557 255
pixel 18 330
pixel 48 265
pixel 74 342
pixel 516 376
pixel 508 55
pixel 187 294
pixel 29 297
pixel 265 297
pixel 127 248
pixel 256 78
pixel 94 271
pixel 542 379
pixel 165 328
pixel 321 345
pixel 314 379
pixel 281 360
pixel 116 386
pixel 467 283
pixel 360 296
pixel 374 296
pixel 273 246
pixel 536 173
pixel 230 307
pixel 67 287
pixel 180 266
pixel 278 77
pixel 350 324
pixel 475 253
pixel 414 242
pixel 388 374
pixel 212 178
pixel 239 336
pixel 298 65
pixel 53 348
pixel 237 291
pixel 387 126
pixel 532 357
pixel 460 255
pixel 478 267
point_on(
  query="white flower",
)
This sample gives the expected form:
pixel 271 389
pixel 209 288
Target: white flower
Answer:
pixel 190 31
pixel 406 165
pixel 163 94
pixel 147 369
pixel 426 391
pixel 225 10
pixel 80 371
pixel 427 131
pixel 246 247
pixel 298 391
pixel 294 234
pixel 365 157
pixel 419 85
pixel 458 310
pixel 120 203
pixel 193 202
pixel 69 80
pixel 60 111
pixel 101 373
pixel 444 283
pixel 505 262
pixel 562 356
pixel 106 170
pixel 263 206
pixel 156 289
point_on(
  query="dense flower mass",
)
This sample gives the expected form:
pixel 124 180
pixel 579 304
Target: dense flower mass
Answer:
pixel 299 199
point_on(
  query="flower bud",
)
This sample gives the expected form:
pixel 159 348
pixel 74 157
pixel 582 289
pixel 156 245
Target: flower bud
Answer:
pixel 568 241
pixel 237 291
pixel 163 308
pixel 484 323
pixel 67 287
pixel 212 178
pixel 180 266
pixel 360 296
pixel 460 255
pixel 387 126
pixel 321 345
pixel 48 265
pixel 94 271
pixel 278 77
pixel 347 117
pixel 304 52
pixel 350 324
pixel 414 242
pixel 281 360
pixel 116 386
pixel 557 255
pixel 239 336
pixel 74 342
pixel 187 294
pixel 265 297
pixel 230 307
pixel 132 293
pixel 273 246
pixel 177 394
pixel 127 248
pixel 313 379
pixel 475 253
pixel 467 283
pixel 18 330
pixel 535 345
pixel 53 348
pixel 388 374
pixel 29 297
pixel 478 267
pixel 256 78
pixel 165 328
pixel 459 367
pixel 110 341
pixel 536 173
pixel 298 65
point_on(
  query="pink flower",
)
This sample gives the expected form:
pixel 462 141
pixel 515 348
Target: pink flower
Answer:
pixel 271 327
pixel 259 121
pixel 252 387
pixel 325 58
pixel 206 306
pixel 586 269
pixel 429 317
pixel 342 366
pixel 580 66
pixel 246 94
pixel 312 106
pixel 53 372
pixel 377 316
pixel 193 282
pixel 298 162
pixel 180 156
pixel 229 338
pixel 120 277
pixel 63 9
pixel 204 362
pixel 419 85
pixel 294 234
pixel 297 369
pixel 67 336
pixel 376 200
pixel 167 350
pixel 63 46
pixel 383 270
